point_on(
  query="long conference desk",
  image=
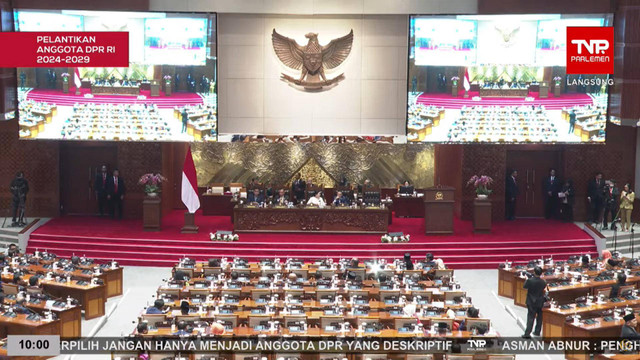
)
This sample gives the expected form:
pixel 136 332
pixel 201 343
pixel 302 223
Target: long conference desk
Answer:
pixel 324 220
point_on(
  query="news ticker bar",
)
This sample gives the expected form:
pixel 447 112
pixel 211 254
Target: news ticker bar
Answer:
pixel 65 48
pixel 50 345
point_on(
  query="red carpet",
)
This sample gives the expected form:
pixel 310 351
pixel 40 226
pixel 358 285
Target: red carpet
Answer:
pixel 550 103
pixel 59 98
pixel 125 241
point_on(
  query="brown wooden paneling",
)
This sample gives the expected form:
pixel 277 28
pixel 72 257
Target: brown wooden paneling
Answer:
pixel 532 166
pixel 448 171
pixel 544 6
pixel 79 163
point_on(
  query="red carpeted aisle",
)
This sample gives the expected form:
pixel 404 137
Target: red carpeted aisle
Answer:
pixel 125 241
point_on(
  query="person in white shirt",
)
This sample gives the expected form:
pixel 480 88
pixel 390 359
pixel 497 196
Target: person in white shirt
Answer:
pixel 317 200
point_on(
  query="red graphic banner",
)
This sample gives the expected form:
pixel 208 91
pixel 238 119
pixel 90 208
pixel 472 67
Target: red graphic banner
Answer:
pixel 589 50
pixel 64 49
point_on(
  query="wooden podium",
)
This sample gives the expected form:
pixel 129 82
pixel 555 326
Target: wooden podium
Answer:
pixel 438 210
pixel 481 216
pixel 154 89
pixel 151 213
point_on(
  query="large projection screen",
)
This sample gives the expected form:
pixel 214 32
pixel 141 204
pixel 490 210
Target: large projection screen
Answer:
pixel 502 79
pixel 167 93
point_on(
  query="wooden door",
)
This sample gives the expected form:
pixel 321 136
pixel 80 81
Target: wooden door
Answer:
pixel 79 164
pixel 532 166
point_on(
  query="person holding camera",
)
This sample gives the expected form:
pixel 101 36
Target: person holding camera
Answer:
pixel 626 206
pixel 611 195
pixel 19 188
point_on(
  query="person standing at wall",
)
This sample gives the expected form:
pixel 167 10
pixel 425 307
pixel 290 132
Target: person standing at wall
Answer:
pixel 626 206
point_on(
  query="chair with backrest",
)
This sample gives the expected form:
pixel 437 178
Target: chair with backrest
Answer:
pixel 501 357
pixel 626 289
pixel 604 291
pixel 331 320
pixel 301 273
pixel 388 294
pixel 258 293
pixel 217 188
pixel 359 272
pixel 208 271
pixel 10 289
pixel 230 320
pixel 419 357
pixel 469 323
pixel 153 319
pixel 323 294
pixel 459 357
pixel 255 320
pixel 439 274
pixel 452 295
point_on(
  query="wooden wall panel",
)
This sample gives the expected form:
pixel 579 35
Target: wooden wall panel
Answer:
pixel 544 6
pixel 448 170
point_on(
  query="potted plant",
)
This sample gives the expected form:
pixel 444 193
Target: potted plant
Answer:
pixel 151 183
pixel 65 77
pixel 455 80
pixel 557 79
pixel 167 79
pixel 481 185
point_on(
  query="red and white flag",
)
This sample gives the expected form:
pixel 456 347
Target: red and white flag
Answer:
pixel 76 78
pixel 190 184
pixel 467 83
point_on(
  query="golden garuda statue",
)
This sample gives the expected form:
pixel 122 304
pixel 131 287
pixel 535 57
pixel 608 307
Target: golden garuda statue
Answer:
pixel 312 58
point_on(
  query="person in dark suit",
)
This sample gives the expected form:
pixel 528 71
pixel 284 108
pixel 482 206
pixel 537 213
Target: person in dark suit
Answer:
pixel 551 186
pixel 567 200
pixel 255 197
pixel 281 198
pixel 628 331
pixel 611 196
pixel 595 196
pixel 511 195
pixel 299 187
pixel 536 287
pixel 615 289
pixel 572 121
pixel 115 193
pixel 100 186
pixel 19 187
pixel 185 120
pixel 340 199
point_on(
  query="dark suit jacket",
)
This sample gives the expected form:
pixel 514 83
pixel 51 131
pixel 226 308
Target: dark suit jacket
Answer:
pixel 595 191
pixel 550 186
pixel 615 290
pixel 111 189
pixel 535 291
pixel 255 199
pixel 341 200
pixel 629 333
pixel 276 199
pixel 511 188
pixel 611 197
pixel 98 185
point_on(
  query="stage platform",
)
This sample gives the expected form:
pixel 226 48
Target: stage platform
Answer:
pixel 550 103
pixel 163 102
pixel 126 242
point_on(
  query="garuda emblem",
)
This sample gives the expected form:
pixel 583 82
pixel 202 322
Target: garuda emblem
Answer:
pixel 312 59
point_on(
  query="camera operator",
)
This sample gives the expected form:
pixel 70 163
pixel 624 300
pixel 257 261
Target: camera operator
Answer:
pixel 611 196
pixel 19 188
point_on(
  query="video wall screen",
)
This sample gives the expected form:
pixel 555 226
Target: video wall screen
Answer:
pixel 501 78
pixel 167 93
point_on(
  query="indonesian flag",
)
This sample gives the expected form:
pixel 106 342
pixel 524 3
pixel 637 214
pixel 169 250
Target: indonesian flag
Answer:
pixel 190 184
pixel 76 78
pixel 467 83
